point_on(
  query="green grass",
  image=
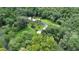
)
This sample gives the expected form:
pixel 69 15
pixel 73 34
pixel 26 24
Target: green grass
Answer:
pixel 36 25
pixel 47 21
pixel 27 29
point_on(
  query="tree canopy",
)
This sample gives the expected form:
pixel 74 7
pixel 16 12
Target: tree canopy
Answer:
pixel 19 33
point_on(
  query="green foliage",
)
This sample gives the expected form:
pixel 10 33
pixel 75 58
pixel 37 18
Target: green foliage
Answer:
pixel 73 43
pixel 19 24
pixel 43 43
pixel 21 40
pixel 36 26
pixel 2 49
pixel 70 38
pixel 17 32
pixel 1 43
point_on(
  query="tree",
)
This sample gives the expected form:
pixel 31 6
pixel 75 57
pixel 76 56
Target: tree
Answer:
pixel 20 24
pixel 21 41
pixel 71 29
pixel 2 22
pixel 43 43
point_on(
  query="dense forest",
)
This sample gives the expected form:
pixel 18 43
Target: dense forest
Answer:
pixel 39 29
